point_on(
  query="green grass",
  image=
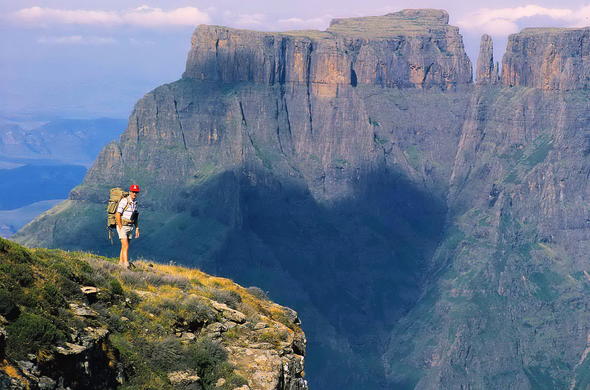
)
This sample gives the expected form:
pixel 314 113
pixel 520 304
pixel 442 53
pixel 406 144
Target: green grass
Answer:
pixel 582 375
pixel 37 286
pixel 340 163
pixel 374 123
pixel 545 282
pixel 413 155
pixel 540 379
pixel 523 159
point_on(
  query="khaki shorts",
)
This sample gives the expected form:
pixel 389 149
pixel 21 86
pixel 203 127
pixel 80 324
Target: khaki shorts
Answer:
pixel 125 232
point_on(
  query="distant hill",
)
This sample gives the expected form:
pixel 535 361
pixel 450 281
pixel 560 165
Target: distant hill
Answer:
pixel 29 184
pixel 12 220
pixel 44 161
pixel 69 141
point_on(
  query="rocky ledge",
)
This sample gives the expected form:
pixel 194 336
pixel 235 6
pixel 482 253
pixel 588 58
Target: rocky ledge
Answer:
pixel 78 321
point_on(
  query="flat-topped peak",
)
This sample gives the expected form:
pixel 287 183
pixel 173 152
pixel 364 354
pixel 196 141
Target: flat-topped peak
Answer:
pixel 405 22
pixel 550 30
pixel 413 48
pixel 435 15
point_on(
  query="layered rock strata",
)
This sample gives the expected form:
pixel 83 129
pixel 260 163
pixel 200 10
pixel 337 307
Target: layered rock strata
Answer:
pixel 548 59
pixel 409 49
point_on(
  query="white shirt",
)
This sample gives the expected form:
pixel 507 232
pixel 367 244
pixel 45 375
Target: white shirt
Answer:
pixel 127 214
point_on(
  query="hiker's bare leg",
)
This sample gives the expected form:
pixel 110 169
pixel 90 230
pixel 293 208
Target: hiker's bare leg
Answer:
pixel 123 256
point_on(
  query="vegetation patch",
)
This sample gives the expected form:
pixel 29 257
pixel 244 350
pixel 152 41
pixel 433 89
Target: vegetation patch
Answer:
pixel 544 282
pixel 413 155
pixel 156 316
pixel 523 158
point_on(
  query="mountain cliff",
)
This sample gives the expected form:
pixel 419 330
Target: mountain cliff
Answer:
pixel 78 321
pixel 431 232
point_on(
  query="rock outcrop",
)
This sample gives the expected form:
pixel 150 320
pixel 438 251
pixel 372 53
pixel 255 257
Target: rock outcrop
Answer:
pixel 548 59
pixel 155 326
pixel 487 69
pixel 431 234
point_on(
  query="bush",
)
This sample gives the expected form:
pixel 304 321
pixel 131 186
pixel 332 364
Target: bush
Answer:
pixel 8 307
pixel 206 355
pixel 258 293
pixel 196 313
pixel 53 296
pixel 210 360
pixel 166 354
pixel 143 278
pixel 14 252
pixel 30 333
pixel 18 273
pixel 115 287
pixel 230 298
pixel 69 288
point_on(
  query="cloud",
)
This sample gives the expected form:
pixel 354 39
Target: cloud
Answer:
pixel 143 16
pixel 320 23
pixel 154 17
pixel 250 19
pixel 76 40
pixel 505 21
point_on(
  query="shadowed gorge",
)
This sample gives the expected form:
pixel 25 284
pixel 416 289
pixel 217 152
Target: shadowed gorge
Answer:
pixel 432 233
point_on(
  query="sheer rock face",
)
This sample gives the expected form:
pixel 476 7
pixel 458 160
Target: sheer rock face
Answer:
pixel 408 49
pixel 548 58
pixel 487 69
pixel 447 224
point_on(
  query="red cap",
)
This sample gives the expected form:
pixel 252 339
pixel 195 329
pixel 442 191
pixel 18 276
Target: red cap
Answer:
pixel 134 188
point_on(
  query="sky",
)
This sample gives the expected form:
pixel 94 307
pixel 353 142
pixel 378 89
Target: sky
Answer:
pixel 90 58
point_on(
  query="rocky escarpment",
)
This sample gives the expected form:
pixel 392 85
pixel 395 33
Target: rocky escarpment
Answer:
pixel 548 58
pixel 408 49
pixel 429 237
pixel 77 321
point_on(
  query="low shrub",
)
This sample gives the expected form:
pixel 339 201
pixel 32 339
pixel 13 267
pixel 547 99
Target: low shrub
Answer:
pixel 210 360
pixel 115 287
pixel 8 306
pixel 52 296
pixel 166 354
pixel 196 313
pixel 14 252
pixel 30 333
pixel 258 293
pixel 17 273
pixel 206 354
pixel 230 298
pixel 143 278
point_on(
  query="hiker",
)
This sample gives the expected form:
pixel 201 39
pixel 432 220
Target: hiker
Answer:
pixel 126 217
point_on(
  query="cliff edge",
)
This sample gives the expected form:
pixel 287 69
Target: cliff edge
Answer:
pixel 548 59
pixel 79 321
pixel 407 49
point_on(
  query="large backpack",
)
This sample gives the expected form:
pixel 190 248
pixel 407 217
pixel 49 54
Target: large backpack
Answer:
pixel 116 194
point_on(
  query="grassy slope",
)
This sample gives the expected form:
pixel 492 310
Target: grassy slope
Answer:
pixel 143 310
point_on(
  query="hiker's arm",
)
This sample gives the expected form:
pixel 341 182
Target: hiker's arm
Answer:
pixel 137 226
pixel 118 219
